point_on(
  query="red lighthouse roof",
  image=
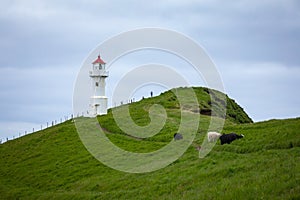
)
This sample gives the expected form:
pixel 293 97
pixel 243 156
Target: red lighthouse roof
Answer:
pixel 99 60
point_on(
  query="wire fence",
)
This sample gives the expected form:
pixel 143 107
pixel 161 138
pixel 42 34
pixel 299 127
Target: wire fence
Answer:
pixel 61 120
pixel 41 127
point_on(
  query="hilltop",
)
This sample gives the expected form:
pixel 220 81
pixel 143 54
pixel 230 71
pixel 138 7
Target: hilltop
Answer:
pixel 54 164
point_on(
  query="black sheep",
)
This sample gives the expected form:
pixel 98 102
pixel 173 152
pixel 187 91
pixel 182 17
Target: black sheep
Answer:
pixel 228 138
pixel 177 136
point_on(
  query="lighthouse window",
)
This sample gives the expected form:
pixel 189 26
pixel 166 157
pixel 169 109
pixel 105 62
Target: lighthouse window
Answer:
pixel 97 84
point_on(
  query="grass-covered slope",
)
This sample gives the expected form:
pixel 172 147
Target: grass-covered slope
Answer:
pixel 54 164
pixel 206 98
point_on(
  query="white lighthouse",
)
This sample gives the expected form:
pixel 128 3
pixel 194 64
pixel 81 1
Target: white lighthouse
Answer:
pixel 98 74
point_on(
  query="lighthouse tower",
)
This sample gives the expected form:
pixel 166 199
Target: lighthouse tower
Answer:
pixel 98 74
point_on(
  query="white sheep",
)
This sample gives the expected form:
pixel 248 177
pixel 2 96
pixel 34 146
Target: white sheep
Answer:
pixel 213 136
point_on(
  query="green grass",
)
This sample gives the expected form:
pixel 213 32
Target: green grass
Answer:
pixel 54 164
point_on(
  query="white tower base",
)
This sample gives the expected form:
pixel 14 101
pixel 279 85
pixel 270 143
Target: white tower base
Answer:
pixel 98 106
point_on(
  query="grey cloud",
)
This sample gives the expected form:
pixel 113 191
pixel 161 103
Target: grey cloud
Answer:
pixel 35 94
pixel 265 90
pixel 56 36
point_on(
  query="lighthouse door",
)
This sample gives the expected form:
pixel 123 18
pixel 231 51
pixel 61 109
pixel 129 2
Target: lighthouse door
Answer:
pixel 96 109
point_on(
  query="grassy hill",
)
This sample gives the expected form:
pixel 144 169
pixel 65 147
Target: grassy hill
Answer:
pixel 54 164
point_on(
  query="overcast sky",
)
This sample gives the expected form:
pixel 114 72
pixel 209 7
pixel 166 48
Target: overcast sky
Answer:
pixel 255 45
